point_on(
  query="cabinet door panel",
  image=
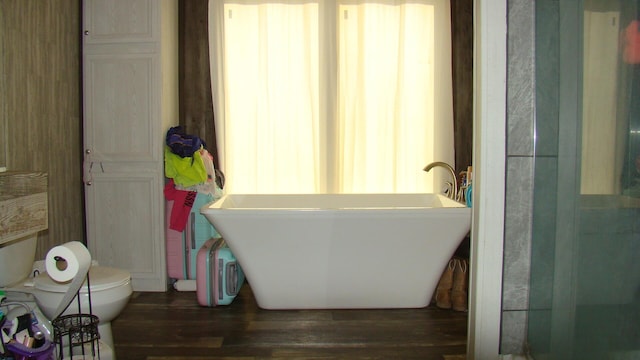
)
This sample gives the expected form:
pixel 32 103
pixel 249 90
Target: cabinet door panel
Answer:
pixel 119 109
pixel 124 21
pixel 124 227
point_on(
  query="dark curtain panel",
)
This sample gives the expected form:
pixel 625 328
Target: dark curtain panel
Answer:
pixel 196 101
pixel 196 104
pixel 462 61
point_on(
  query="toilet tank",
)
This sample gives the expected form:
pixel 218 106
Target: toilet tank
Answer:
pixel 16 259
pixel 23 213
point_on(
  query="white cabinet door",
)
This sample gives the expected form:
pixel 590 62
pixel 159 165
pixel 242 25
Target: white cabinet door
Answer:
pixel 120 107
pixel 123 226
pixel 129 73
pixel 119 21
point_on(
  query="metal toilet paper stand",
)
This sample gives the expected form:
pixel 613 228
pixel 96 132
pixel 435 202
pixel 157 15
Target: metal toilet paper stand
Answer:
pixel 77 330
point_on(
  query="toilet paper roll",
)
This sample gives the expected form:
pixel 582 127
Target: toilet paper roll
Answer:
pixel 68 262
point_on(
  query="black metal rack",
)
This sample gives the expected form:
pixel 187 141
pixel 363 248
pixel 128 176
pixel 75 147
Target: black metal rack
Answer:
pixel 77 330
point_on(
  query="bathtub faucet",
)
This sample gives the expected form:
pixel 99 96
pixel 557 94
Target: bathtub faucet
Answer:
pixel 453 193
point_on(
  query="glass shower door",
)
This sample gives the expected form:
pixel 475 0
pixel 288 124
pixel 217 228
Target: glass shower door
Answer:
pixel 585 265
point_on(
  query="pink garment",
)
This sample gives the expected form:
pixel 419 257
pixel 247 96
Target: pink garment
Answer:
pixel 182 204
pixel 631 52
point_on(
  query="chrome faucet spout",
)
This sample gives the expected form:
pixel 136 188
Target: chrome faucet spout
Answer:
pixel 454 179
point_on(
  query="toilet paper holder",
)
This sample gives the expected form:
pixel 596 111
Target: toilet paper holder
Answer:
pixel 75 331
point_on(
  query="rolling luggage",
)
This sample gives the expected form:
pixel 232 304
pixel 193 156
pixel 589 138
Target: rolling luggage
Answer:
pixel 176 266
pixel 182 246
pixel 219 276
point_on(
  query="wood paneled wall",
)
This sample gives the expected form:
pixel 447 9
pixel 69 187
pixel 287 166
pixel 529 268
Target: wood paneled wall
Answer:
pixel 40 99
pixel 3 105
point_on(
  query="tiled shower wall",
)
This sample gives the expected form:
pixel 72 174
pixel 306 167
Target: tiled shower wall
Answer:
pixel 519 181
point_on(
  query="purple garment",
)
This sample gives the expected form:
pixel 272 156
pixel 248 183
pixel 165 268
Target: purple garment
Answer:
pixel 183 144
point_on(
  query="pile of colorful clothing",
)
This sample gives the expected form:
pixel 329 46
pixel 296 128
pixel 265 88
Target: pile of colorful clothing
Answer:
pixel 191 173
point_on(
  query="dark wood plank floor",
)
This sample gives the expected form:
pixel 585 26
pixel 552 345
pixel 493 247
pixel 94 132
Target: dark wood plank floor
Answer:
pixel 172 325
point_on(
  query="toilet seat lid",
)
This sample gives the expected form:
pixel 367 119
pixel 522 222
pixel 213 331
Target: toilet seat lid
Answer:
pixel 100 278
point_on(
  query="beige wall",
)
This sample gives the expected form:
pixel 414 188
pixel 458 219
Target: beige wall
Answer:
pixel 40 101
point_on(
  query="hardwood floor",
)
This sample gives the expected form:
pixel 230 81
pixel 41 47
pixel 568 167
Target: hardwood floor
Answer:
pixel 172 325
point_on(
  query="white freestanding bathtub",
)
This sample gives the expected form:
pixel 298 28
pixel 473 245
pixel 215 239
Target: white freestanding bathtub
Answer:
pixel 325 251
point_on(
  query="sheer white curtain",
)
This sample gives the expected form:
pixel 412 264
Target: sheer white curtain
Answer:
pixel 331 96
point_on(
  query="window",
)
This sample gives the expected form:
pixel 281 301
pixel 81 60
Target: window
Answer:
pixel 331 96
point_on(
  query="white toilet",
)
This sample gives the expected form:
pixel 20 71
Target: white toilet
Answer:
pixel 110 288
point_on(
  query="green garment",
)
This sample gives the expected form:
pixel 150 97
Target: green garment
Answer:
pixel 187 171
